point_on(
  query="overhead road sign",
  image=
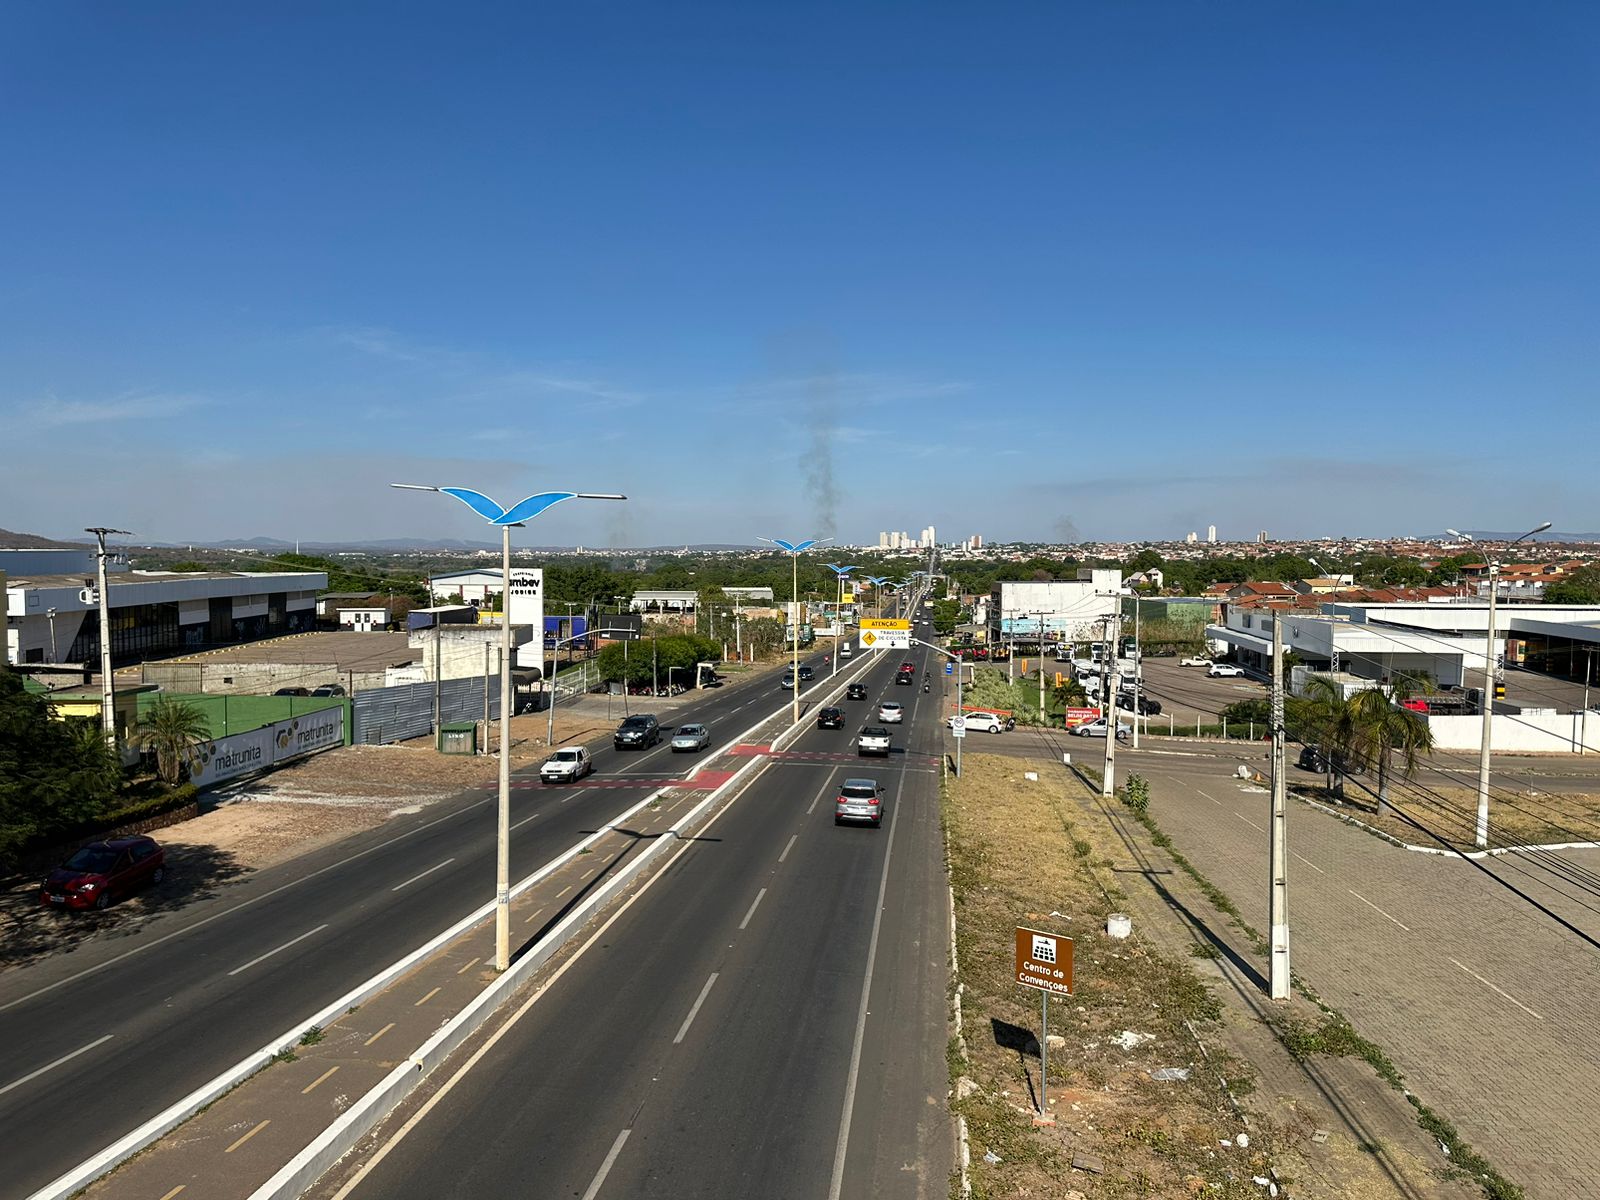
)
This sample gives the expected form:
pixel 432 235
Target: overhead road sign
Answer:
pixel 886 639
pixel 887 624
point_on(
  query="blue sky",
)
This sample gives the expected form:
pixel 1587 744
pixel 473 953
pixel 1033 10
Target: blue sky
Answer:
pixel 1033 270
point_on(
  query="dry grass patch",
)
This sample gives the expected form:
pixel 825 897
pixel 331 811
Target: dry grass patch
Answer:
pixel 1445 816
pixel 1017 860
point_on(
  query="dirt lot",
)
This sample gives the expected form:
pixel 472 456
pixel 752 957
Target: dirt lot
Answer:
pixel 1137 1076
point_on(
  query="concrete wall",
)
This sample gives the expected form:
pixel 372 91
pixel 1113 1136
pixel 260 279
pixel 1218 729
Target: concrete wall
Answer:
pixel 458 650
pixel 258 679
pixel 1550 733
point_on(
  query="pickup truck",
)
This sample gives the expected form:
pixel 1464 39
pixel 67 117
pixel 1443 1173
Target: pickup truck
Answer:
pixel 874 739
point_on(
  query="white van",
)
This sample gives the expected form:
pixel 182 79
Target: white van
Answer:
pixel 844 649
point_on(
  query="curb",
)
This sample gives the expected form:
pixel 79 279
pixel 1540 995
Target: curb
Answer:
pixel 1493 852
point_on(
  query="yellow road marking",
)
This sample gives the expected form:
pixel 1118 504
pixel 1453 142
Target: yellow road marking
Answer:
pixel 428 997
pixel 247 1137
pixel 379 1034
pixel 305 1090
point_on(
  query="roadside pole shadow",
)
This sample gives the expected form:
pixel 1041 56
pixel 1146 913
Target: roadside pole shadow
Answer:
pixel 1015 1037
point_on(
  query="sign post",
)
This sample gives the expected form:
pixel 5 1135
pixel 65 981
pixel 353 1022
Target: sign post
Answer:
pixel 1044 961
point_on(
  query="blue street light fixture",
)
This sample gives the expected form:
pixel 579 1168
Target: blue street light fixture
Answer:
pixel 877 582
pixel 523 510
pixel 838 610
pixel 794 551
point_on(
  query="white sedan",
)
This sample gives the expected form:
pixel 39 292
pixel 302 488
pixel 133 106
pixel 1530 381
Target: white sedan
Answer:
pixel 1098 729
pixel 1224 671
pixel 891 713
pixel 980 722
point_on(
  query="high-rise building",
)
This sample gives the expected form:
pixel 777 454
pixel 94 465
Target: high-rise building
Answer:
pixel 977 541
pixel 1261 538
pixel 883 541
pixel 1191 538
pixel 1211 533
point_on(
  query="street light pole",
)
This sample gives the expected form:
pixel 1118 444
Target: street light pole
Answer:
pixel 108 697
pixel 794 550
pixel 1481 831
pixel 1108 784
pixel 505 518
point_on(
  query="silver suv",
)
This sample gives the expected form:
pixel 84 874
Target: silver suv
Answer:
pixel 859 800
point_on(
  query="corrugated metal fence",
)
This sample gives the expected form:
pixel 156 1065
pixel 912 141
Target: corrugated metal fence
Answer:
pixel 394 714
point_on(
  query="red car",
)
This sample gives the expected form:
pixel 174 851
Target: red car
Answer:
pixel 908 668
pixel 100 871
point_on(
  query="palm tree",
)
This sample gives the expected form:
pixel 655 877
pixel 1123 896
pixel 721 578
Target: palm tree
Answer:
pixel 171 729
pixel 1326 717
pixel 1384 728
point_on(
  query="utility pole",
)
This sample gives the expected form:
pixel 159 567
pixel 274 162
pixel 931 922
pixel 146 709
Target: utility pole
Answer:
pixel 1108 785
pixel 1039 629
pixel 1278 856
pixel 1138 667
pixel 108 698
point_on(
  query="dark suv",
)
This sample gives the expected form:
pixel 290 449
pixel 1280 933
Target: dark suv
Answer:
pixel 638 732
pixel 856 691
pixel 807 674
pixel 830 718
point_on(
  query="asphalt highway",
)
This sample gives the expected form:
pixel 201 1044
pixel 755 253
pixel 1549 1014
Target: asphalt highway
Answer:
pixel 98 1040
pixel 768 1020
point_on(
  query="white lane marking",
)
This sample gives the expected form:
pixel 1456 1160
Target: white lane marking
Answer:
pixel 424 875
pixel 695 1011
pixel 605 1167
pixel 1249 822
pixel 167 937
pixel 1376 909
pixel 1309 863
pixel 533 816
pixel 1506 994
pixel 16 1083
pixel 752 911
pixel 279 950
pixel 477 1056
pixel 1213 799
pixel 861 1017
pixel 789 847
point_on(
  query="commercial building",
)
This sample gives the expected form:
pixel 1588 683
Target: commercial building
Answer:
pixel 469 587
pixel 52 616
pixel 674 601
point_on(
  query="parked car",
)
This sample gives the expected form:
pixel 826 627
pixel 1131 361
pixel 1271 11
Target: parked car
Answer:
pixel 1097 729
pixel 830 717
pixel 691 737
pixel 859 800
pixel 292 692
pixel 1315 759
pixel 1223 671
pixel 856 691
pixel 637 732
pixel 101 871
pixel 1195 660
pixel 328 689
pixel 1147 706
pixel 567 765
pixel 873 739
pixel 981 722
pixel 891 713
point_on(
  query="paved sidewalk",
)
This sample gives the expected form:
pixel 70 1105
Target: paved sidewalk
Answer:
pixel 1489 1007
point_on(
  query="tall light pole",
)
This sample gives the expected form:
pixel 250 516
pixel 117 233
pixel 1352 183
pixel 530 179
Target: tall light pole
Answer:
pixel 108 698
pixel 1490 664
pixel 505 518
pixel 838 610
pixel 794 550
pixel 877 582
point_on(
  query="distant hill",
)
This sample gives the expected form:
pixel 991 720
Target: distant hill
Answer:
pixel 1489 535
pixel 32 541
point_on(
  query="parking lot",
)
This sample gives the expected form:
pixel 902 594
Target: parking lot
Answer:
pixel 1189 697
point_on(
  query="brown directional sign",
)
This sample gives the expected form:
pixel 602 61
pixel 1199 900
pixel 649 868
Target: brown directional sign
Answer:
pixel 1044 961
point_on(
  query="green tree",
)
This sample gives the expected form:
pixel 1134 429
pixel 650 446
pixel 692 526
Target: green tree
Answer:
pixel 1324 717
pixel 1581 587
pixel 55 775
pixel 172 729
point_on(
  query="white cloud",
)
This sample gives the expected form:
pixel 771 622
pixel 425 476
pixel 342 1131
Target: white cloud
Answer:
pixel 137 405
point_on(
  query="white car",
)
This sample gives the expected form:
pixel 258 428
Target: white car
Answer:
pixel 567 765
pixel 891 713
pixel 1195 660
pixel 981 722
pixel 691 737
pixel 1224 671
pixel 1098 729
pixel 874 739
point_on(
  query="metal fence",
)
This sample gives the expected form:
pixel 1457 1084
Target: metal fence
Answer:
pixel 393 714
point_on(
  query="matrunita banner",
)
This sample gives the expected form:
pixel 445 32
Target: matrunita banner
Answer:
pixel 229 757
